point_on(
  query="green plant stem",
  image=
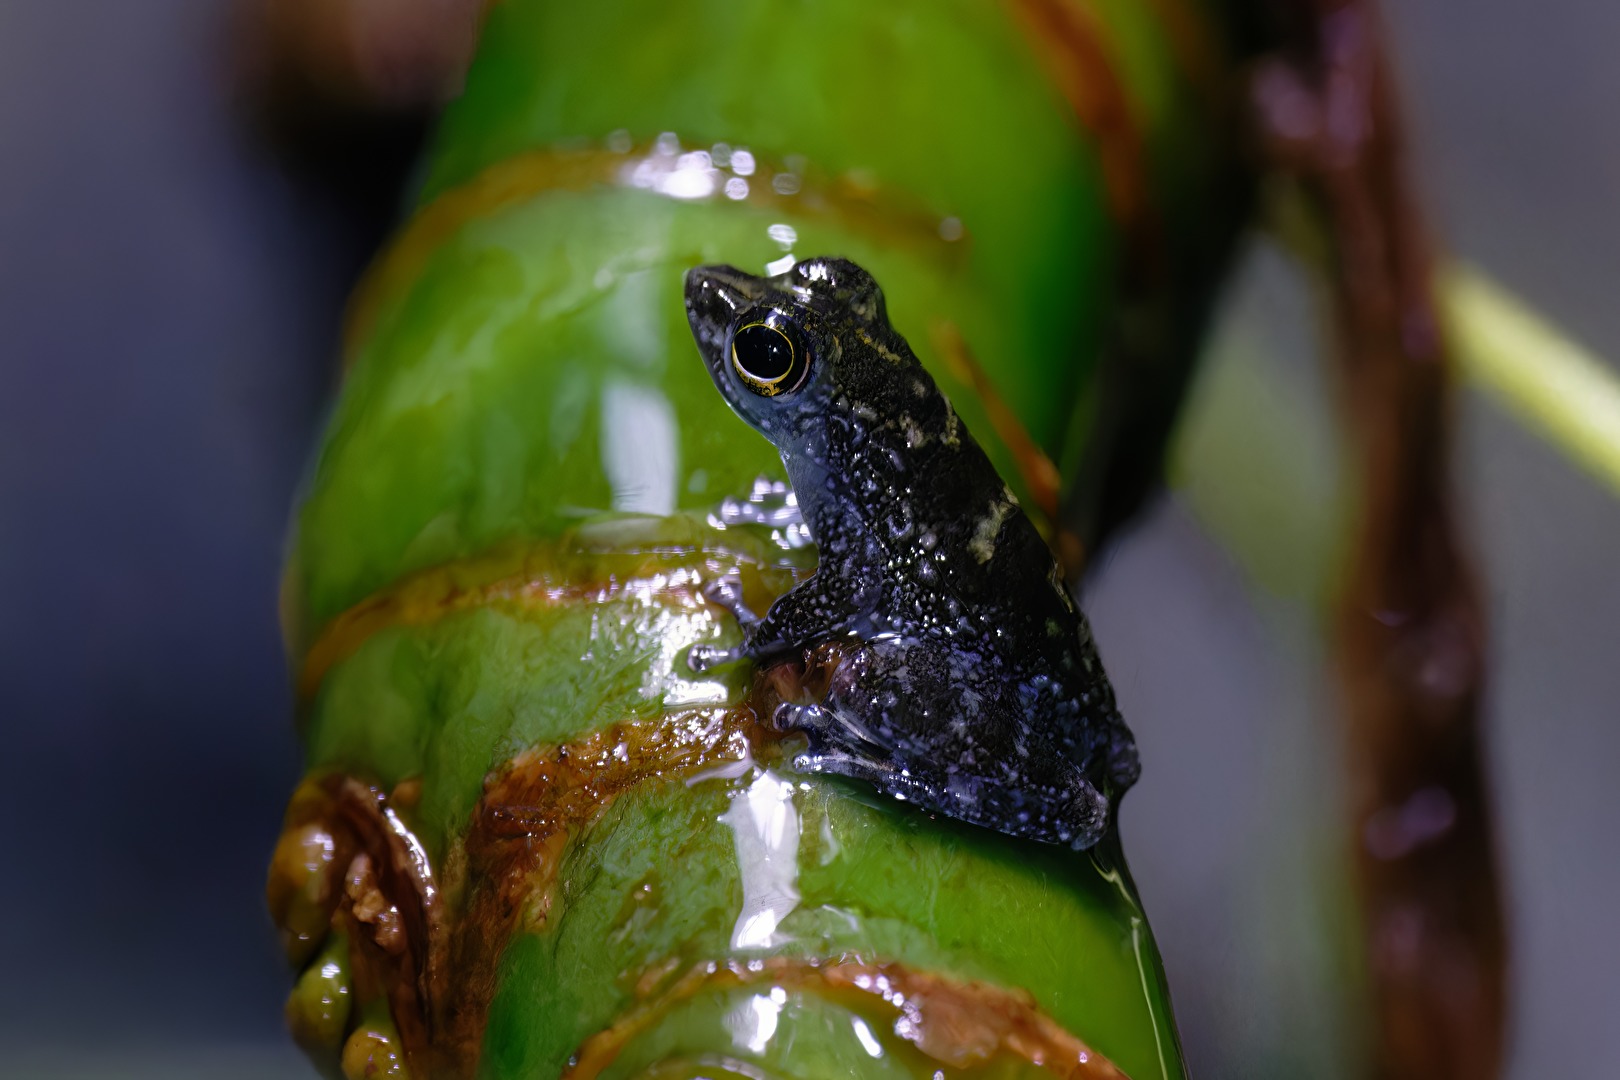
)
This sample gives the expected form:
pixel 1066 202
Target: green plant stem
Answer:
pixel 1552 384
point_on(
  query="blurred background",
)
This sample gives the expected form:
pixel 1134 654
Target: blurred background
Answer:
pixel 170 295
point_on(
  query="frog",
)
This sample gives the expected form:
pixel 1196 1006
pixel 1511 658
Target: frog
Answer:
pixel 968 682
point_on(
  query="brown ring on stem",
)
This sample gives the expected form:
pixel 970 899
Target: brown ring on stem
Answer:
pixel 957 1023
pixel 529 577
pixel 663 168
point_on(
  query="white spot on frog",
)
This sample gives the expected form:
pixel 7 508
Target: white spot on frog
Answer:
pixel 983 544
pixel 765 824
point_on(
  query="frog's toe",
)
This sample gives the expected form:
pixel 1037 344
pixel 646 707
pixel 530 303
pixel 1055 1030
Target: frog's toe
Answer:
pixel 789 717
pixel 704 657
pixel 841 763
pixel 727 593
pixel 1124 767
pixel 1084 818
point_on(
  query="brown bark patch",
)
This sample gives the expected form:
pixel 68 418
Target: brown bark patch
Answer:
pixel 538 804
pixel 348 861
pixel 537 576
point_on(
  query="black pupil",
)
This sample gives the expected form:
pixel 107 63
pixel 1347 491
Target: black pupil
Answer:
pixel 763 353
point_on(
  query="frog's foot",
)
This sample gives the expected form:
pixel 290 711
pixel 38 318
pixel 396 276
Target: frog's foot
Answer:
pixel 705 657
pixel 840 748
pixel 1084 820
pixel 811 718
pixel 883 775
pixel 828 731
pixel 772 504
pixel 1071 814
pixel 727 593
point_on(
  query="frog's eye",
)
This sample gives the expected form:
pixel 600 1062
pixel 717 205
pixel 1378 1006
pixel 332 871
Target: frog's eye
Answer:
pixel 770 356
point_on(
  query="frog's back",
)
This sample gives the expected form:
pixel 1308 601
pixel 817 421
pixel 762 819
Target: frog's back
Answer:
pixel 940 500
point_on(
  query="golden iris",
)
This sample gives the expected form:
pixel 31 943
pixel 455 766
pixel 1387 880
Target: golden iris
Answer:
pixel 768 359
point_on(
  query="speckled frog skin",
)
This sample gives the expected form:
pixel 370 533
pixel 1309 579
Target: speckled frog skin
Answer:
pixel 970 685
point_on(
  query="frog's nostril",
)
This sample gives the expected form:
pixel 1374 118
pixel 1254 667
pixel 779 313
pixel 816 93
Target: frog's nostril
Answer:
pixel 719 292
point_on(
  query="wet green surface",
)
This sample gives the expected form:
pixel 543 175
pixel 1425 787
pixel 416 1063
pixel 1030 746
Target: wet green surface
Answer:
pixel 874 880
pixel 537 374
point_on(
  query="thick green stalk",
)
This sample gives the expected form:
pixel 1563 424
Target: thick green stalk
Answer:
pixel 496 569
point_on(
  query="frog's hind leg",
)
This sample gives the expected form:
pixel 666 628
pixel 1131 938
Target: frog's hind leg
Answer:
pixel 836 744
pixel 1064 810
pixel 813 720
pixel 880 775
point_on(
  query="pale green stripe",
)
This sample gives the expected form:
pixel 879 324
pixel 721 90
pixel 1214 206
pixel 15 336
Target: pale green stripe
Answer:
pixel 1553 385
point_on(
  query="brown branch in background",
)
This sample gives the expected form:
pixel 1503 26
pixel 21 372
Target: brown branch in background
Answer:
pixel 342 92
pixel 1173 252
pixel 375 55
pixel 1409 624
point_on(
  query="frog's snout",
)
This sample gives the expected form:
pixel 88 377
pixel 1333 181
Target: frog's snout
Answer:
pixel 714 297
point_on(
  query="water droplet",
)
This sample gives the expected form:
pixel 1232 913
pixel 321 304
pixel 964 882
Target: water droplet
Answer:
pixel 784 235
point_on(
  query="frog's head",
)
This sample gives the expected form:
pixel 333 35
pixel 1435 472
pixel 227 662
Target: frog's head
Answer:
pixel 776 346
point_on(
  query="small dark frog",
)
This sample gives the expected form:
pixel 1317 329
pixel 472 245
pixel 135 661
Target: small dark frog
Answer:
pixel 970 685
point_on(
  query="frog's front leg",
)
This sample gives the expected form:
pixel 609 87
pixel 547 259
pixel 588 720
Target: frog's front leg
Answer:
pixel 827 606
pixel 727 593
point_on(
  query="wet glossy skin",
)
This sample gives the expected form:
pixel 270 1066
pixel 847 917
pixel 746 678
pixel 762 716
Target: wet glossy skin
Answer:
pixel 972 686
